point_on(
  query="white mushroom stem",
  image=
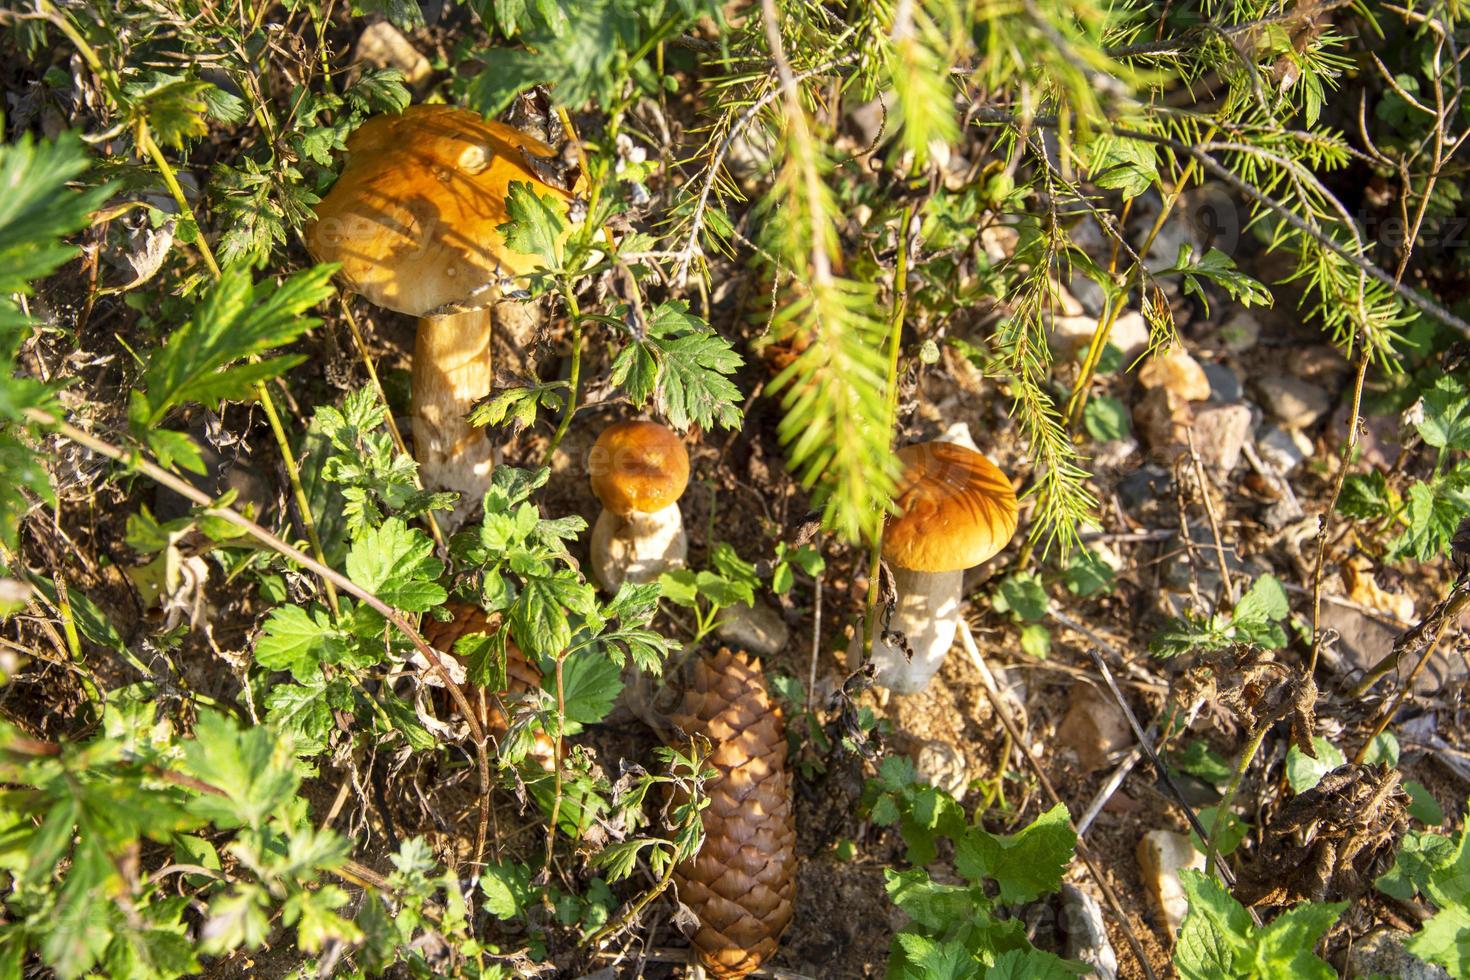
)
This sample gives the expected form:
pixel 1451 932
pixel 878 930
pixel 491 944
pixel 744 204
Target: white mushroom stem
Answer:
pixel 927 615
pixel 637 547
pixel 452 369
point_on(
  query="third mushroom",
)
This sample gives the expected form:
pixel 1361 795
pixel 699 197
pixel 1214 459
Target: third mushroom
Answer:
pixel 956 509
pixel 639 471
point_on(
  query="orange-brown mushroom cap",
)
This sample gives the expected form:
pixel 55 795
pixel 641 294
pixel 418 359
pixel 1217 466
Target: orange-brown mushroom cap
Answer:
pixel 956 509
pixel 414 218
pixel 638 466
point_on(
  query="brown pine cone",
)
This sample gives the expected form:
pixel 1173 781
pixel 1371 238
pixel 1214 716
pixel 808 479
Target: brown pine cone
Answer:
pixel 520 675
pixel 742 882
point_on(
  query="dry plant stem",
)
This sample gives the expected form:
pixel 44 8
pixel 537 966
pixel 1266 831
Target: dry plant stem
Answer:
pixel 895 336
pixel 1204 492
pixel 1388 713
pixel 1024 747
pixel 1153 757
pixel 1324 520
pixel 1427 631
pixel 393 429
pixel 230 515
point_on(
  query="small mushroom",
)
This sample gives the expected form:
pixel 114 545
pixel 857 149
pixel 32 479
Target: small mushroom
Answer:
pixel 956 509
pixel 414 221
pixel 639 471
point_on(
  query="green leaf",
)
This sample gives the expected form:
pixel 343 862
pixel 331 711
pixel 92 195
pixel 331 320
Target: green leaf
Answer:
pixel 1198 759
pixel 174 107
pixel 1027 864
pixel 1303 772
pixel 1228 834
pixel 1215 933
pixel 1036 641
pixel 1022 595
pixel 538 618
pixel 304 711
pixel 1088 574
pixel 1382 751
pixel 1446 421
pixel 1265 600
pixel 1420 854
pixel 1434 511
pixel 1034 964
pixel 37 210
pixel 1124 164
pixel 236 319
pixel 1219 268
pixel 299 640
pixel 936 959
pixel 537 224
pixel 1424 808
pixel 397 564
pixel 1106 418
pixel 591 683
pixel 253 766
pixel 1445 939
pixel 683 366
pixel 1368 497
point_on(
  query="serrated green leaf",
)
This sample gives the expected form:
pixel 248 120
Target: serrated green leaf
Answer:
pixel 397 564
pixel 683 366
pixel 1446 420
pixel 299 640
pixel 235 319
pixel 591 683
pixel 537 224
pixel 1026 864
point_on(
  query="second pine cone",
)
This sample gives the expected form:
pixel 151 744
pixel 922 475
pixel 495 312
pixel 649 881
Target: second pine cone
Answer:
pixel 742 882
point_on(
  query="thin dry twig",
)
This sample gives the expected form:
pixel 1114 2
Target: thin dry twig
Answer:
pixel 1083 851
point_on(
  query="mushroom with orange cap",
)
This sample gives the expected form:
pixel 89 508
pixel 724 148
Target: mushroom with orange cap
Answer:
pixel 639 471
pixel 955 510
pixel 414 220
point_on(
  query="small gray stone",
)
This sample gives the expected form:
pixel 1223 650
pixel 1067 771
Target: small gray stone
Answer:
pixel 1295 403
pixel 1283 450
pixel 1241 332
pixel 757 629
pixel 1069 335
pixel 1162 854
pixel 942 766
pixel 1382 954
pixel 1087 933
pixel 1207 563
pixel 1220 433
pixel 1225 386
pixel 1138 487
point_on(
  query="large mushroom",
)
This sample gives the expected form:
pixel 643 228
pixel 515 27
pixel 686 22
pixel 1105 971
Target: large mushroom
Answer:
pixel 639 471
pixel 414 221
pixel 956 509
